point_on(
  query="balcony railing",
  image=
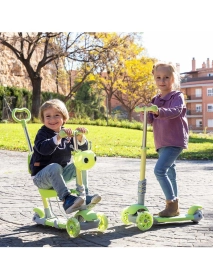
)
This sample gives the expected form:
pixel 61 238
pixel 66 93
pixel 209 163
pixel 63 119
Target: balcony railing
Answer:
pixel 195 79
pixel 196 128
pixel 193 112
pixel 193 97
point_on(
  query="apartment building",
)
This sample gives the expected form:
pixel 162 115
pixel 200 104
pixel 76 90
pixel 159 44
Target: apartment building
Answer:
pixel 197 85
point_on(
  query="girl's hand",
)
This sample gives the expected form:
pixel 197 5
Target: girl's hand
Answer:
pixel 153 112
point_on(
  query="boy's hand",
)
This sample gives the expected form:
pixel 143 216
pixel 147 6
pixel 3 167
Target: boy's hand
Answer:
pixel 67 132
pixel 83 131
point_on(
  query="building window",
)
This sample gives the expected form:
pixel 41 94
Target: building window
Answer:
pixel 198 108
pixel 210 108
pixel 198 92
pixel 209 92
pixel 210 74
pixel 199 123
pixel 210 122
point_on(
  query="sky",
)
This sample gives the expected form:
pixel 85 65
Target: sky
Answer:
pixel 180 47
pixel 172 31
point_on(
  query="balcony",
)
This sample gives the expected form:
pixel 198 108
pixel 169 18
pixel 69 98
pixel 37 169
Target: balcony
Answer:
pixel 196 128
pixel 193 97
pixel 196 79
pixel 194 112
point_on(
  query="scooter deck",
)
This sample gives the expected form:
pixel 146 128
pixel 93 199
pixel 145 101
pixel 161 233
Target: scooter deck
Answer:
pixel 181 217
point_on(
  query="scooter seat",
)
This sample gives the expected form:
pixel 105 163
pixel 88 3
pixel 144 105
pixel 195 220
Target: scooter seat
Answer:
pixel 47 193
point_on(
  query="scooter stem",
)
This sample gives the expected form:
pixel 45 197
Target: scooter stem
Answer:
pixel 142 181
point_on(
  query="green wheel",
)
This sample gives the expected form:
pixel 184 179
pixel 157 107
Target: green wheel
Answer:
pixel 73 227
pixel 103 225
pixel 79 218
pixel 144 221
pixel 124 216
pixel 39 212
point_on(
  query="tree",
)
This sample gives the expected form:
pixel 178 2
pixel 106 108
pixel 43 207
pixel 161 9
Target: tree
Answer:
pixel 109 70
pixel 88 101
pixel 78 47
pixel 137 86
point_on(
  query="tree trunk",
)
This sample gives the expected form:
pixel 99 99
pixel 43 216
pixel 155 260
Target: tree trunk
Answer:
pixel 130 115
pixel 109 106
pixel 36 97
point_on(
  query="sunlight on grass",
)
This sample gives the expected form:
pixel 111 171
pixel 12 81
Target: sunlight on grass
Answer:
pixel 108 141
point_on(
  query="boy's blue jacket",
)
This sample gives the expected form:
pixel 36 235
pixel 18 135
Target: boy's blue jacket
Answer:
pixel 45 151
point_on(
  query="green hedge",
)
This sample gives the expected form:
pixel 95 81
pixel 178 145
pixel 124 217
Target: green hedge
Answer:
pixel 21 97
pixel 13 97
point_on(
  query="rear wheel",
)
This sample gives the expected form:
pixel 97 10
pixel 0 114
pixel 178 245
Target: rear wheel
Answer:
pixel 103 225
pixel 124 216
pixel 73 227
pixel 198 215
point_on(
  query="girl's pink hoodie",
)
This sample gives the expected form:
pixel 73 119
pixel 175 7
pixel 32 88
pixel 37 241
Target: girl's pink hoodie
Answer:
pixel 170 127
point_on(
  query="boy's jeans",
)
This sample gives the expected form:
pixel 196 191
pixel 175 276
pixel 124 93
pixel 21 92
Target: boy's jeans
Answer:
pixel 56 177
pixel 165 171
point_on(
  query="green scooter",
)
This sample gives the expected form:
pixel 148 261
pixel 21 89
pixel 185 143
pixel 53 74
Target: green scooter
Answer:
pixel 139 213
pixel 85 218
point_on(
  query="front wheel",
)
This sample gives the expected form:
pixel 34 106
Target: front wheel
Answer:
pixel 144 221
pixel 124 216
pixel 103 225
pixel 73 227
pixel 39 212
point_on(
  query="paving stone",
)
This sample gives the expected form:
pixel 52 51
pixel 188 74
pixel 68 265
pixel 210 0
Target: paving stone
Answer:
pixel 116 179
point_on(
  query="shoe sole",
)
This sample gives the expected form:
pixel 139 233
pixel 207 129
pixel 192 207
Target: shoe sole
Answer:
pixel 75 207
pixel 95 200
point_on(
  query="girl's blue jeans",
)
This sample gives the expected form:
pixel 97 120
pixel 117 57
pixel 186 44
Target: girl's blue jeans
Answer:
pixel 165 170
pixel 56 177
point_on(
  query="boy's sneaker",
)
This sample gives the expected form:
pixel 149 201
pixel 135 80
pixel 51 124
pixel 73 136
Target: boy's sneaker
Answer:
pixel 92 200
pixel 72 203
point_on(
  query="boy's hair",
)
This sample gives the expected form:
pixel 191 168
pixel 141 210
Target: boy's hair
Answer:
pixel 173 70
pixel 54 103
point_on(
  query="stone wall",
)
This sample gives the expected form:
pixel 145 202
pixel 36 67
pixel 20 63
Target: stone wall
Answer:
pixel 13 72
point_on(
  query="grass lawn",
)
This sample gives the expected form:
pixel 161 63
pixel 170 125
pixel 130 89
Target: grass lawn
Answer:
pixel 108 141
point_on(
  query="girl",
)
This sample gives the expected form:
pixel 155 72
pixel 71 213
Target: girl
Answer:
pixel 170 128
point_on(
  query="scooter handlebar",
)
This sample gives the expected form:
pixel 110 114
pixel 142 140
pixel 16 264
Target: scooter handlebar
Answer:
pixel 152 108
pixel 62 134
pixel 22 110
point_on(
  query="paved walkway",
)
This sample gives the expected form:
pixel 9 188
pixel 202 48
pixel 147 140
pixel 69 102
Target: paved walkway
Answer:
pixel 116 180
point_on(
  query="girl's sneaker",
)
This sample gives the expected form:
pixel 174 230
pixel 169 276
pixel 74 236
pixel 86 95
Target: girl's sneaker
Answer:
pixel 72 203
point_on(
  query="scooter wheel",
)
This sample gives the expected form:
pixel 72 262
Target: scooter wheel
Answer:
pixel 73 227
pixel 144 221
pixel 198 215
pixel 35 217
pixel 39 212
pixel 103 225
pixel 124 216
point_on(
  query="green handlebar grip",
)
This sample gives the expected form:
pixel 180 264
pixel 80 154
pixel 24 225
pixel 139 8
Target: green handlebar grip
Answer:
pixel 152 108
pixel 22 110
pixel 62 134
pixel 139 109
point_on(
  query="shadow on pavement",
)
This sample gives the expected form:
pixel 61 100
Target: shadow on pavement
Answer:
pixel 154 228
pixel 30 235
